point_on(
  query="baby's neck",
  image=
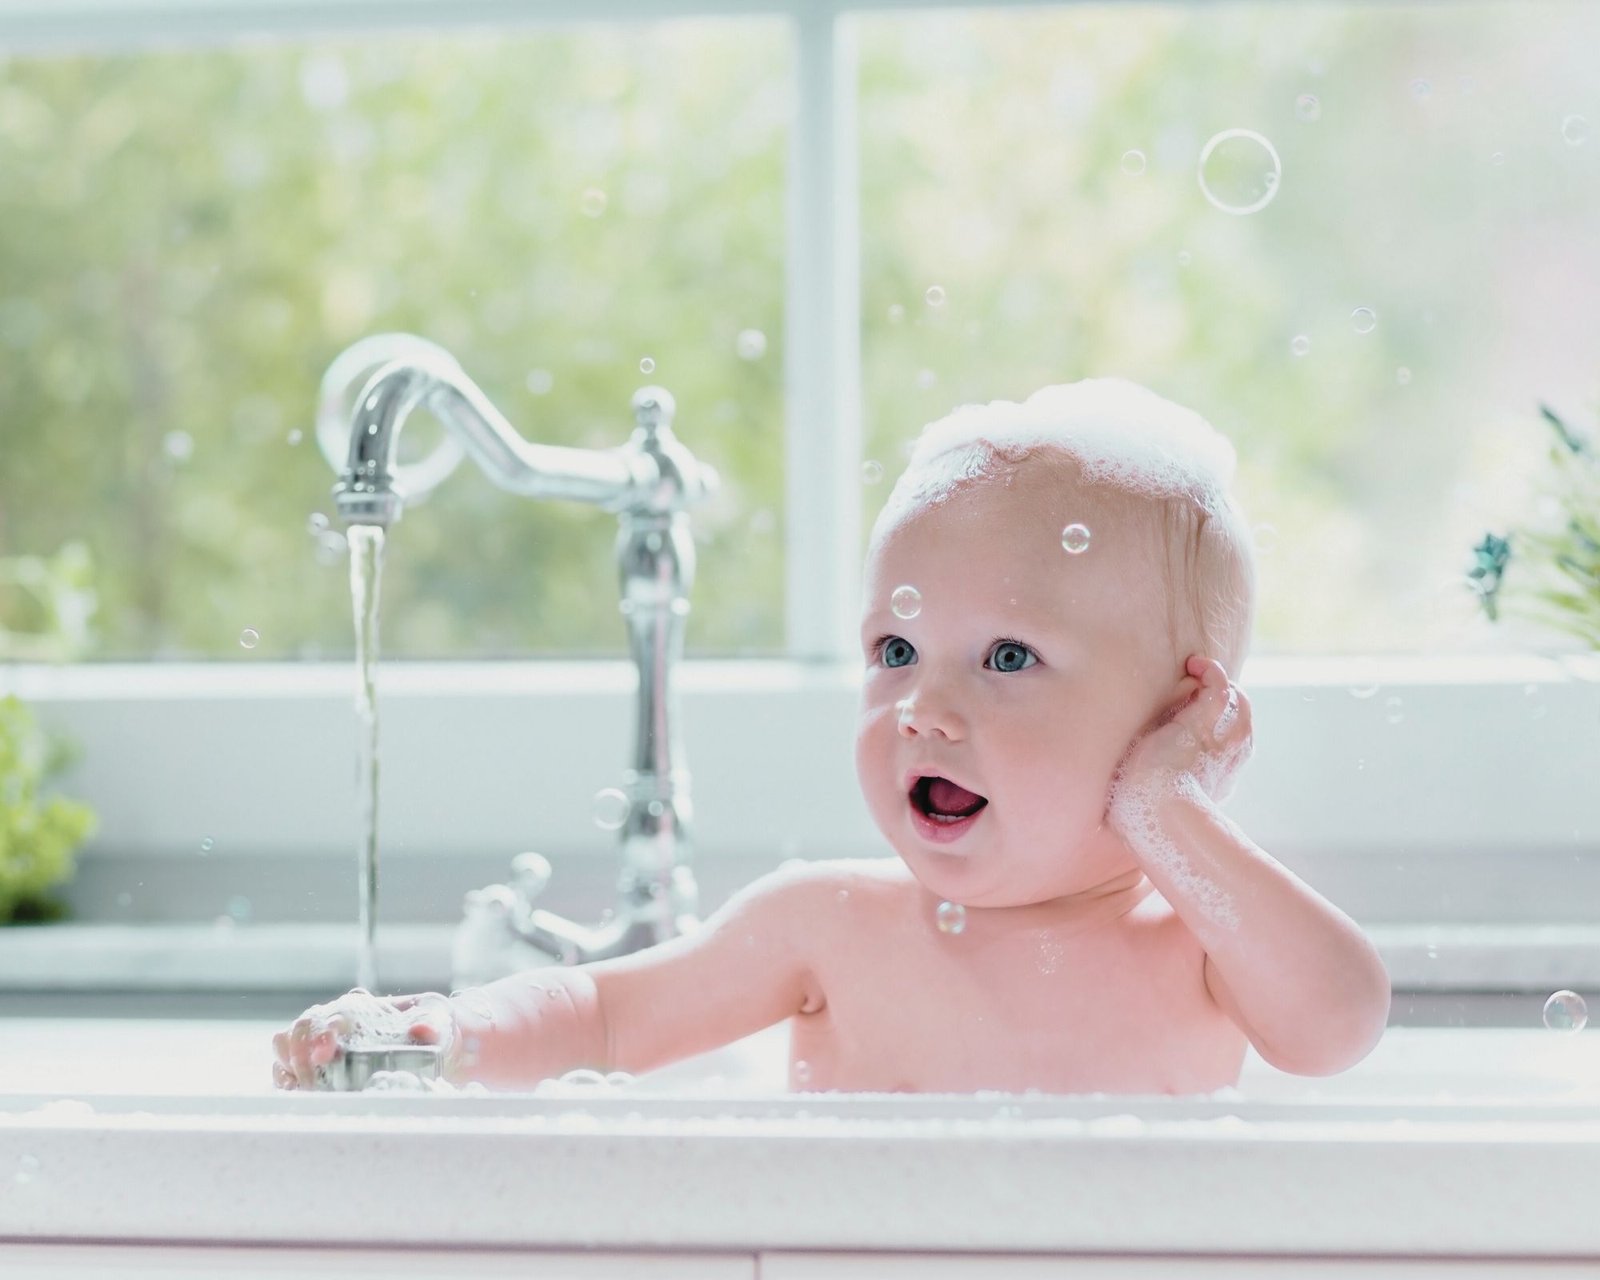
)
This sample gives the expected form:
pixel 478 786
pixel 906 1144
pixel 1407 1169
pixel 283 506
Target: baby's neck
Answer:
pixel 1070 912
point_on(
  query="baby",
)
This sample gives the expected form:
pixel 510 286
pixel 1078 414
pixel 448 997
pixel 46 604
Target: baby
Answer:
pixel 1058 596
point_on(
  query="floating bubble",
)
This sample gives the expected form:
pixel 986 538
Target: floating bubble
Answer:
pixel 844 895
pixel 802 1071
pixel 647 365
pixel 1075 539
pixel 249 638
pixel 1308 108
pixel 897 313
pixel 1421 89
pixel 1498 157
pixel 27 1168
pixel 316 524
pixel 751 344
pixel 1239 171
pixel 951 917
pixel 1575 131
pixel 1402 375
pixel 179 445
pixel 926 379
pixel 296 436
pixel 871 472
pixel 610 809
pixel 539 382
pixel 1133 163
pixel 592 202
pixel 1184 258
pixel 1265 538
pixel 240 909
pixel 1566 1011
pixel 934 297
pixel 207 845
pixel 905 602
pixel 1364 319
pixel 1393 710
pixel 1300 344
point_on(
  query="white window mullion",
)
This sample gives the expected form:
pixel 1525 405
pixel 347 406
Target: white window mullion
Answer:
pixel 822 343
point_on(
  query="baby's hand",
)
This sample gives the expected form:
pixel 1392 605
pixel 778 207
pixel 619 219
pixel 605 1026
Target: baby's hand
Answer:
pixel 358 1017
pixel 1208 737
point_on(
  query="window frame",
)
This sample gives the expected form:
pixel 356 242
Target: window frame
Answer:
pixel 161 784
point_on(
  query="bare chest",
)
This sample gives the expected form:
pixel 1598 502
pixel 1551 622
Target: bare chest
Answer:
pixel 1120 1008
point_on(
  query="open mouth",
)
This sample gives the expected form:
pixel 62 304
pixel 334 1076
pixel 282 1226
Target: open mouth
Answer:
pixel 943 809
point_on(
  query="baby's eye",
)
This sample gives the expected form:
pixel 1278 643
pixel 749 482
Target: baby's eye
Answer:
pixel 896 651
pixel 1009 655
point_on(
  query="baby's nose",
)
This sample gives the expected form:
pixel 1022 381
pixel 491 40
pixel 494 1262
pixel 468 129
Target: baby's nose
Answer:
pixel 921 714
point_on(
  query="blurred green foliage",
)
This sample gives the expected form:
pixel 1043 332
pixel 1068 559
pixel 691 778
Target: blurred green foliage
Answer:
pixel 38 834
pixel 192 237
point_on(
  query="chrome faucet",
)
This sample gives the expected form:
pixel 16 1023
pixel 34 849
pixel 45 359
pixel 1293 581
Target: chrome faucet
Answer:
pixel 650 482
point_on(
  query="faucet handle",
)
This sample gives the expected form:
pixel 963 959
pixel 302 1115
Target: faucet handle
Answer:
pixel 653 408
pixel 530 873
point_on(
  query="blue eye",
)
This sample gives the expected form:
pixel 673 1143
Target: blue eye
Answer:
pixel 1008 655
pixel 895 651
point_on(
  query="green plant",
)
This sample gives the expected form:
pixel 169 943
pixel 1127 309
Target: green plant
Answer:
pixel 1558 579
pixel 38 834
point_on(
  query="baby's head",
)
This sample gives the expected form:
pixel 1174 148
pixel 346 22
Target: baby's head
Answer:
pixel 1067 555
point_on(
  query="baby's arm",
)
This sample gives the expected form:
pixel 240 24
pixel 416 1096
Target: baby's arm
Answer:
pixel 1293 971
pixel 744 969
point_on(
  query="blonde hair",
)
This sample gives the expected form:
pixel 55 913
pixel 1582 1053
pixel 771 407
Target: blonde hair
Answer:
pixel 1168 460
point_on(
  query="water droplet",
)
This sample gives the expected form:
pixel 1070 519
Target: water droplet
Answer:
pixel 1393 710
pixel 751 344
pixel 1075 539
pixel 802 1072
pixel 1308 108
pixel 1364 319
pixel 897 313
pixel 207 845
pixel 1421 89
pixel 934 297
pixel 1234 168
pixel 1363 690
pixel 1265 537
pixel 584 1078
pixel 27 1168
pixel 871 472
pixel 593 202
pixel 951 917
pixel 1300 344
pixel 316 524
pixel 926 379
pixel 1575 130
pixel 1402 375
pixel 1133 163
pixel 1566 1011
pixel 539 382
pixel 296 436
pixel 647 365
pixel 249 638
pixel 610 809
pixel 179 445
pixel 905 602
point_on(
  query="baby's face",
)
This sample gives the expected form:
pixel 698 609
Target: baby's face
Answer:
pixel 1024 675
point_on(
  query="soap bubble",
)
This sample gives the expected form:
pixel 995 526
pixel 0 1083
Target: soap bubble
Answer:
pixel 1566 1011
pixel 584 1078
pixel 296 436
pixel 239 909
pixel 316 524
pixel 1265 538
pixel 1363 690
pixel 179 445
pixel 751 344
pixel 27 1168
pixel 1308 108
pixel 1239 171
pixel 539 382
pixel 1364 319
pixel 1575 130
pixel 927 379
pixel 619 1079
pixel 1402 375
pixel 647 365
pixel 897 313
pixel 1075 539
pixel 802 1072
pixel 249 638
pixel 207 845
pixel 1300 344
pixel 1133 163
pixel 1393 710
pixel 1184 257
pixel 1421 89
pixel 871 472
pixel 906 602
pixel 610 809
pixel 934 297
pixel 592 202
pixel 951 917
